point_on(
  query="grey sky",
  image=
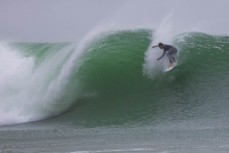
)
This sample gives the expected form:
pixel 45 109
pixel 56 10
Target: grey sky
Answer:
pixel 39 20
pixel 69 20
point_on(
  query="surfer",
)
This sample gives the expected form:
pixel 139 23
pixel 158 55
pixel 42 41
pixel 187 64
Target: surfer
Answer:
pixel 171 51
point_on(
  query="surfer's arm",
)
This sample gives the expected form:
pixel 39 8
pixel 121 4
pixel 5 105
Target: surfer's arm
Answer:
pixel 155 46
pixel 162 55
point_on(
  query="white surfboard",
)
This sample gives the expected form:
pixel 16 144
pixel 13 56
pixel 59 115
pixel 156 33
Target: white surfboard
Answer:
pixel 170 67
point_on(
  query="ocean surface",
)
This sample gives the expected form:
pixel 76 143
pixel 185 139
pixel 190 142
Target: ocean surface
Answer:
pixel 105 92
pixel 105 97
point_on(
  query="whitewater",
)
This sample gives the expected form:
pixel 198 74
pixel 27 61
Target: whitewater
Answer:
pixel 106 92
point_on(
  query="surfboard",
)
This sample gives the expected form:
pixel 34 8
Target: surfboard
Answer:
pixel 171 67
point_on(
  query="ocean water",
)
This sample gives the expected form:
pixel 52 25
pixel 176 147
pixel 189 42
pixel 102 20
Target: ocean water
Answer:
pixel 109 94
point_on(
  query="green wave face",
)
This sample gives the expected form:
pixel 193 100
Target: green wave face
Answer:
pixel 113 74
pixel 107 84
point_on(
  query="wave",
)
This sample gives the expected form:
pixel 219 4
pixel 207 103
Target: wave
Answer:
pixel 34 78
pixel 115 77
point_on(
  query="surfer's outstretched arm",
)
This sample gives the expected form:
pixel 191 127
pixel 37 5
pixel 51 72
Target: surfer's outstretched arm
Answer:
pixel 155 46
pixel 162 55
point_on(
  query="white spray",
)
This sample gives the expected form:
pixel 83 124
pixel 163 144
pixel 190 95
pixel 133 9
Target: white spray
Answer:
pixel 163 33
pixel 29 92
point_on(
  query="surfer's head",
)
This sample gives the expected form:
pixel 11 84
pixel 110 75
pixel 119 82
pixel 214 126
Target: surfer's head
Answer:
pixel 160 45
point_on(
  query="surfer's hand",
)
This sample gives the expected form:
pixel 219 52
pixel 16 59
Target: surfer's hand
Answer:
pixel 158 59
pixel 153 47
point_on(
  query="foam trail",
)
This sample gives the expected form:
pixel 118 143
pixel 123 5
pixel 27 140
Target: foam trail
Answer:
pixel 117 150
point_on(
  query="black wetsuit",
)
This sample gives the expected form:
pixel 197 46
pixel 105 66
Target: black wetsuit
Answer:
pixel 171 51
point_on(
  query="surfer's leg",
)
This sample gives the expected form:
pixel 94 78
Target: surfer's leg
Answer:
pixel 173 59
pixel 172 53
pixel 170 57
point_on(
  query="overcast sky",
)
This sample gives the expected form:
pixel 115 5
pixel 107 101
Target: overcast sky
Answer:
pixel 40 20
pixel 69 20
